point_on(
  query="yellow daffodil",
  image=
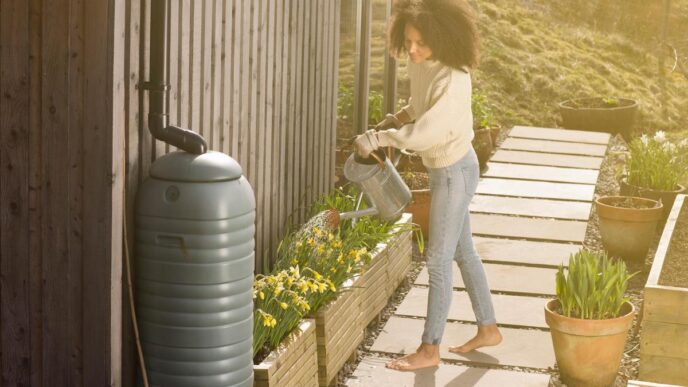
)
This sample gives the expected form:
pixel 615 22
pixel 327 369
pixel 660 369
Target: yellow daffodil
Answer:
pixel 261 295
pixel 283 305
pixel 321 287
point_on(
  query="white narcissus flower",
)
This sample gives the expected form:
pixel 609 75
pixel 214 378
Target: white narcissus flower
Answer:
pixel 669 147
pixel 644 139
pixel 660 136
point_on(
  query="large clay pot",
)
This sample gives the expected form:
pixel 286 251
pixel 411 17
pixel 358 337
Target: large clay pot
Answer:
pixel 666 197
pixel 593 114
pixel 628 232
pixel 482 143
pixel 588 352
pixel 420 208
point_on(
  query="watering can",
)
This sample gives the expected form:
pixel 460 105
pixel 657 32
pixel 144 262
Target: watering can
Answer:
pixel 379 180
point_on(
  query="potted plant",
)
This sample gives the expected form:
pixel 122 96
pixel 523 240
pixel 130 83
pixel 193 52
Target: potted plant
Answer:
pixel 654 168
pixel 484 129
pixel 420 198
pixel 601 114
pixel 627 225
pixel 590 318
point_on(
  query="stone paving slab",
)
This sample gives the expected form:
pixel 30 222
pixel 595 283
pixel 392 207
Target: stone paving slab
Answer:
pixel 511 310
pixel 528 228
pixel 371 372
pixel 521 251
pixel 542 173
pixel 531 207
pixel 535 189
pixel 547 146
pixel 560 134
pixel 551 159
pixel 520 347
pixel 507 278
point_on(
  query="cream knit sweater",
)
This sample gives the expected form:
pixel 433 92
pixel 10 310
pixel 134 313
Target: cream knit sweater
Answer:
pixel 441 105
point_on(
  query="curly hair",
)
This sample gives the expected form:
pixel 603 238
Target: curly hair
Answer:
pixel 448 27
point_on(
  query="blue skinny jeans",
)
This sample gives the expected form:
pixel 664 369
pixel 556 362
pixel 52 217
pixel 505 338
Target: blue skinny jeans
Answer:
pixel 451 240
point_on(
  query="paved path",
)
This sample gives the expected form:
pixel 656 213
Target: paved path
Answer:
pixel 530 212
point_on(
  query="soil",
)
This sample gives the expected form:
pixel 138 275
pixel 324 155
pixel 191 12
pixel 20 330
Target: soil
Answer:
pixel 597 103
pixel 627 202
pixel 415 180
pixel 674 272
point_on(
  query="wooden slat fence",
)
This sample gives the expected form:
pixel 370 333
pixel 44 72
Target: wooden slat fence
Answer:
pixel 256 77
pixel 258 80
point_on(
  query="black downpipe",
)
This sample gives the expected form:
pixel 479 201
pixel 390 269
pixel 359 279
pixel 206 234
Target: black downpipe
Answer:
pixel 158 89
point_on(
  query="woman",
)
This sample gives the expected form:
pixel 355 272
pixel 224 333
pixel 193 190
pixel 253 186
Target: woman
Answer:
pixel 441 40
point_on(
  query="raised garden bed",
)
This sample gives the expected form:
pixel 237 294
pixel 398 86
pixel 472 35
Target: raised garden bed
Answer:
pixel 294 363
pixel 340 325
pixel 664 337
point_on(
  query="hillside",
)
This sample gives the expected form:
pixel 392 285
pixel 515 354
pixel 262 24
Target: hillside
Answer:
pixel 536 53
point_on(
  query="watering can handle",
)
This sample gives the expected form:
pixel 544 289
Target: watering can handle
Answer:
pixel 379 160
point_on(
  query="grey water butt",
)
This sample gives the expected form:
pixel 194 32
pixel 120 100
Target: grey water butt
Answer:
pixel 194 271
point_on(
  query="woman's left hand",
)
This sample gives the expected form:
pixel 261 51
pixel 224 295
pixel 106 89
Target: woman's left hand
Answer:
pixel 366 143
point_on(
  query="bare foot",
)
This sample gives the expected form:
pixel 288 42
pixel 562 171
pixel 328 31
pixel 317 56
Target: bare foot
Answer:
pixel 488 335
pixel 426 356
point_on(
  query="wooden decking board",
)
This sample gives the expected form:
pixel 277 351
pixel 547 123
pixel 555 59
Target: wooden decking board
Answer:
pixel 550 159
pixel 528 228
pixel 547 146
pixel 535 189
pixel 544 208
pixel 541 173
pixel 560 134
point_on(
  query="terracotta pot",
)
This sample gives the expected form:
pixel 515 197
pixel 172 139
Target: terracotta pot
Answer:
pixel 588 352
pixel 494 135
pixel 482 143
pixel 420 208
pixel 666 197
pixel 576 114
pixel 627 232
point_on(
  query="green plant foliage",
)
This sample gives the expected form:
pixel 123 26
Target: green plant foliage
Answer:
pixel 345 104
pixel 482 111
pixel 314 262
pixel 656 162
pixel 593 286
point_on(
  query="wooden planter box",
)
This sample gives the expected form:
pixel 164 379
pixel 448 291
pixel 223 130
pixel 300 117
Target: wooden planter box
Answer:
pixel 338 331
pixel 664 337
pixel 387 269
pixel 294 363
pixel 340 325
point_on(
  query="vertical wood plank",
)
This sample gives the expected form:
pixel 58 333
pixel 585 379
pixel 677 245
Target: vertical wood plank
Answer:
pixel 316 90
pixel 184 80
pixel 259 134
pixel 36 179
pixel 226 71
pixel 244 97
pixel 77 52
pixel 15 148
pixel 173 67
pixel 278 36
pixel 102 200
pixel 146 142
pixel 206 61
pixel 309 101
pixel 302 140
pixel 54 230
pixel 216 69
pixel 269 128
pixel 131 140
pixel 195 66
pixel 291 108
pixel 335 88
pixel 235 112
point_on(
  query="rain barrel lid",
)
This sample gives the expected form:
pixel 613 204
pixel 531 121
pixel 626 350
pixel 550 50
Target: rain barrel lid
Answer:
pixel 207 167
